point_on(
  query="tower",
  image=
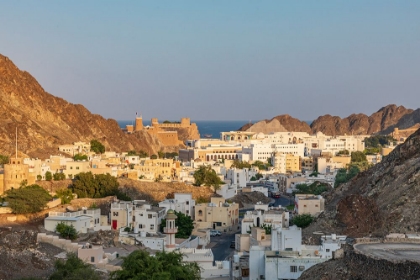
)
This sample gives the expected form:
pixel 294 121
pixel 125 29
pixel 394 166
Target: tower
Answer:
pixel 139 123
pixel 170 230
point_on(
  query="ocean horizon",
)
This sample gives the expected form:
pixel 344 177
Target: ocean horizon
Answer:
pixel 210 127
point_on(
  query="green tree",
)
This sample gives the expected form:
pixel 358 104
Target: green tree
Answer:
pixel 131 153
pixel 358 156
pixel 161 154
pixel 261 165
pixel 378 141
pixel 163 266
pixel 143 154
pixel 59 176
pixel 343 153
pixel 4 159
pixel 97 147
pixel 85 184
pixel 80 157
pixel 48 176
pixel 344 175
pixel 66 231
pixel 205 175
pixel 153 157
pixel 202 199
pixel 72 269
pixel 240 164
pixel 371 151
pixel 183 222
pixel 39 177
pixel 315 188
pixel 27 199
pixel 65 195
pixel 302 220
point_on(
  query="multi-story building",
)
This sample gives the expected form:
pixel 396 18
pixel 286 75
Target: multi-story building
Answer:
pixel 285 257
pixel 263 215
pixel 218 214
pixel 309 204
pixel 138 215
pixel 182 202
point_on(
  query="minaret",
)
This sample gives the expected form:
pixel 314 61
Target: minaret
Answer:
pixel 170 230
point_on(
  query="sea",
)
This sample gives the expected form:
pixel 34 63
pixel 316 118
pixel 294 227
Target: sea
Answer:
pixel 208 128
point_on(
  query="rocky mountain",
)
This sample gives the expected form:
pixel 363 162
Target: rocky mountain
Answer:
pixel 279 123
pixel 382 121
pixel 360 123
pixel 384 199
pixel 45 121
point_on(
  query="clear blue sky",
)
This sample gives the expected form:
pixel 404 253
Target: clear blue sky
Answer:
pixel 219 60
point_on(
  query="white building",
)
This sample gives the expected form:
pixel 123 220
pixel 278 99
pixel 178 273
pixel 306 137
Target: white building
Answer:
pixel 182 202
pixel 83 220
pixel 286 258
pixel 262 214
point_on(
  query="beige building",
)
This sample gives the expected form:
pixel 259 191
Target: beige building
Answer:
pixel 285 181
pixel 73 168
pixel 164 169
pixel 309 204
pixel 218 214
pixel 15 173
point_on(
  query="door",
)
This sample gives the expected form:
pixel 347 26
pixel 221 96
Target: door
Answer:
pixel 114 224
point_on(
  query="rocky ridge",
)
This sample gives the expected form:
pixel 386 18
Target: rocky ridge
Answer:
pixel 382 121
pixel 45 121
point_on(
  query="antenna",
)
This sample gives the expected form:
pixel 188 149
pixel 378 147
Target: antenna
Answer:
pixel 16 142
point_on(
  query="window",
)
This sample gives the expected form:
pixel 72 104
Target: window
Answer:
pixel 149 216
pixel 293 268
pixel 152 227
pixel 77 167
pixel 92 259
pixel 245 272
pixel 200 213
pixel 140 226
pixel 301 268
pixel 328 250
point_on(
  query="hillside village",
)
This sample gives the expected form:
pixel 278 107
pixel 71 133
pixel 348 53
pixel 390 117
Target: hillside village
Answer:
pixel 286 173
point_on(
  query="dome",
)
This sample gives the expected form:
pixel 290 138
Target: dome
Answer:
pixel 171 214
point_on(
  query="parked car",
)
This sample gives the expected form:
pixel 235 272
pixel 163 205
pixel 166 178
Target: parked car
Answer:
pixel 215 233
pixel 232 244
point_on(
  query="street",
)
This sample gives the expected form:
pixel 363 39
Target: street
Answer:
pixel 220 245
pixel 283 201
pixel 221 250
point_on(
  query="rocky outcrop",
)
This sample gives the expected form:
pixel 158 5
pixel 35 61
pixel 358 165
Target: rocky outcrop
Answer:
pixel 279 123
pixel 360 123
pixel 383 199
pixel 45 121
pixel 358 266
pixel 383 122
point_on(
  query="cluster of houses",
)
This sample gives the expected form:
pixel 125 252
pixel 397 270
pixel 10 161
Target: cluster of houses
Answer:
pixel 265 247
pixel 268 248
pixel 139 223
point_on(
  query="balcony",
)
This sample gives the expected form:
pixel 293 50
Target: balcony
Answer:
pixel 170 230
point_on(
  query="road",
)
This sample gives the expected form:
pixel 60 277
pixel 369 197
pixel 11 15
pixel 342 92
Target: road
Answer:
pixel 221 250
pixel 283 201
pixel 391 251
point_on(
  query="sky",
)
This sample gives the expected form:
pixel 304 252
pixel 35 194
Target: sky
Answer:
pixel 219 60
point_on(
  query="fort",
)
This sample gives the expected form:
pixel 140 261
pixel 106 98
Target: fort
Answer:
pixel 166 132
